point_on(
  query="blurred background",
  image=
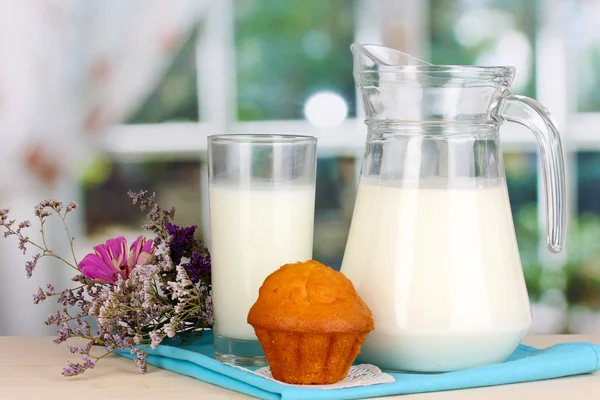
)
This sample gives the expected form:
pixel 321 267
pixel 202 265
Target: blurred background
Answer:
pixel 100 97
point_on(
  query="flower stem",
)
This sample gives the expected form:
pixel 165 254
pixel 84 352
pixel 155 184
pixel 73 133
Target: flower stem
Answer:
pixel 45 249
pixel 63 219
pixel 101 357
pixel 47 254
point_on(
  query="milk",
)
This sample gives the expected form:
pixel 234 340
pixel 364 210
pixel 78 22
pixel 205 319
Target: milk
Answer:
pixel 440 269
pixel 253 233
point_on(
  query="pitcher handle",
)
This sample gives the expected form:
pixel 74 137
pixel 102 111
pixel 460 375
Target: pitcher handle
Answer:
pixel 534 116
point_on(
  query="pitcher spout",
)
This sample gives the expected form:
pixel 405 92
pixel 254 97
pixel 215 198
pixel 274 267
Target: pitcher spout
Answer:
pixel 397 86
pixel 372 57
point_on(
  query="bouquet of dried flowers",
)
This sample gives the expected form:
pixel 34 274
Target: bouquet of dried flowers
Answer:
pixel 124 298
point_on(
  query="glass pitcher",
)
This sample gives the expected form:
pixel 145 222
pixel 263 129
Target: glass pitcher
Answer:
pixel 432 247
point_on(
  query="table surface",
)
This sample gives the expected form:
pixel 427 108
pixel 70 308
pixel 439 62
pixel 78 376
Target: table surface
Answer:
pixel 30 368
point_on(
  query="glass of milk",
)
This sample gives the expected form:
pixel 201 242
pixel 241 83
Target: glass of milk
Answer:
pixel 262 196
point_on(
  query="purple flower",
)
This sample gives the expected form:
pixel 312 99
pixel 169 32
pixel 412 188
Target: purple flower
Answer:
pixel 155 339
pixel 181 238
pixel 111 260
pixel 39 296
pixel 78 368
pixel 198 267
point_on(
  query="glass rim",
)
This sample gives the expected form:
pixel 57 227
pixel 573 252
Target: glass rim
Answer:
pixel 278 138
pixel 498 70
pixel 423 67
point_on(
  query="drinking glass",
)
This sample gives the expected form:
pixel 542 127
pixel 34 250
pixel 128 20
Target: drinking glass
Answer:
pixel 262 196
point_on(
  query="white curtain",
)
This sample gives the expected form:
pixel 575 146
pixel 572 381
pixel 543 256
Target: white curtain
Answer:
pixel 68 70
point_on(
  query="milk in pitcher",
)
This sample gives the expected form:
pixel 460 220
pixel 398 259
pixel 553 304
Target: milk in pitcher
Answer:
pixel 432 247
pixel 440 269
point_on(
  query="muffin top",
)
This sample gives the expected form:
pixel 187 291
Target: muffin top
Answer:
pixel 310 297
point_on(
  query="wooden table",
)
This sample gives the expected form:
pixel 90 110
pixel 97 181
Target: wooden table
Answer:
pixel 30 369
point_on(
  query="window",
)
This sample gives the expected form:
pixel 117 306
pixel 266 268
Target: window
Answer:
pixel 176 178
pixel 481 32
pixel 107 181
pixel 334 204
pixel 175 99
pixel 287 51
pixel 585 38
pixel 283 53
pixel 583 266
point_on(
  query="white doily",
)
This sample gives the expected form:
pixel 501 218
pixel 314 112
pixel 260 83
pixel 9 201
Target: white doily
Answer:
pixel 359 375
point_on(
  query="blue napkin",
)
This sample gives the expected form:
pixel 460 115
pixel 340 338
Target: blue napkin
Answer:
pixel 525 364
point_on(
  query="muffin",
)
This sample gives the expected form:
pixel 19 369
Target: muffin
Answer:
pixel 310 323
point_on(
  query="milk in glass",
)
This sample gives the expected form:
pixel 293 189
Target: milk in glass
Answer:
pixel 254 232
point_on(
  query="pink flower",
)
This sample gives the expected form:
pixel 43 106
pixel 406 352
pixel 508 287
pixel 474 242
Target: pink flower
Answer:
pixel 140 253
pixel 111 260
